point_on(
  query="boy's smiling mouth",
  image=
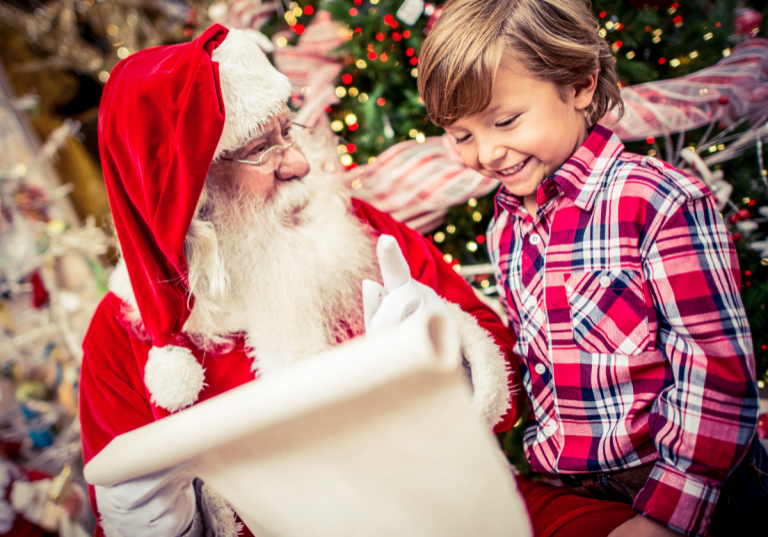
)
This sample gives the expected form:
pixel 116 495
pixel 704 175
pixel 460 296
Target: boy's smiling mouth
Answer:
pixel 509 173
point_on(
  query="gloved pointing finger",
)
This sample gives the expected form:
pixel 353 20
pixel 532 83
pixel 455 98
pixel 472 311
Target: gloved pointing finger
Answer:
pixel 394 267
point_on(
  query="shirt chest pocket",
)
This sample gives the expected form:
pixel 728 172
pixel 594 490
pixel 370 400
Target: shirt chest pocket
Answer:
pixel 608 311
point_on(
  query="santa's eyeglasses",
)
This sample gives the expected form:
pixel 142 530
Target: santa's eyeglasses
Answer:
pixel 269 160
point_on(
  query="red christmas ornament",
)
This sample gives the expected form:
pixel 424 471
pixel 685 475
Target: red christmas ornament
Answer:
pixel 744 214
pixel 734 218
pixel 746 20
pixel 39 292
pixel 433 19
pixel 737 237
pixel 723 99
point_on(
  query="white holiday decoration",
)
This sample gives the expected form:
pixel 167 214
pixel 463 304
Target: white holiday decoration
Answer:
pixel 760 246
pixel 714 180
pixel 410 11
pixel 746 226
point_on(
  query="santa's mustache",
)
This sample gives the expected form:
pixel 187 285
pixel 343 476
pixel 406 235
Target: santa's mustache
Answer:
pixel 284 205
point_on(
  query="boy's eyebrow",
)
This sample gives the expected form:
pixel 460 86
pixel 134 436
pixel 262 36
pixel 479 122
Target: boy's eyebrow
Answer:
pixel 492 109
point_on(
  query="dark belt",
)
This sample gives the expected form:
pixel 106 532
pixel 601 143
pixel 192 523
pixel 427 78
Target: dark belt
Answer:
pixel 622 486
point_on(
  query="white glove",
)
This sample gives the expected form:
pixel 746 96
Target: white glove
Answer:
pixel 385 307
pixel 155 505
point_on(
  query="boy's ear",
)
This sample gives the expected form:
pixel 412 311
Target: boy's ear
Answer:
pixel 584 90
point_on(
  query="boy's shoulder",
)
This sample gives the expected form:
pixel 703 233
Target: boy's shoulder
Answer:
pixel 652 179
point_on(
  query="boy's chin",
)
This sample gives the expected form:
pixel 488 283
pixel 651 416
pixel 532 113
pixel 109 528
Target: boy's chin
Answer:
pixel 522 189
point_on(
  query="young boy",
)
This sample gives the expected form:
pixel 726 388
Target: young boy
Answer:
pixel 615 270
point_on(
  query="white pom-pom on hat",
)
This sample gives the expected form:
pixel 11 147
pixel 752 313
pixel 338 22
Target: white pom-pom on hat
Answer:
pixel 173 377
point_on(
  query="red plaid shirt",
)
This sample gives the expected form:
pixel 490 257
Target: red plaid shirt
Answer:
pixel 623 291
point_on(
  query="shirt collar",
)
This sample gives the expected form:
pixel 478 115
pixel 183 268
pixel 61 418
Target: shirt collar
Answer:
pixel 581 177
pixel 505 201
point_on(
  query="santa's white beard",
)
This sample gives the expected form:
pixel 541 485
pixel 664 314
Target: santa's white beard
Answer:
pixel 293 266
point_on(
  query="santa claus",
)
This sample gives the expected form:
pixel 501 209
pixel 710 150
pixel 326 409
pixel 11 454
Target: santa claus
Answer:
pixel 238 260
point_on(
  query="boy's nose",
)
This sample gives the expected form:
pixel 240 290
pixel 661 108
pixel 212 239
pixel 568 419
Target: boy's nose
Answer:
pixel 490 155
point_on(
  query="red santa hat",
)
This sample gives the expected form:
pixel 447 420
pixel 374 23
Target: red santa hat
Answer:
pixel 166 113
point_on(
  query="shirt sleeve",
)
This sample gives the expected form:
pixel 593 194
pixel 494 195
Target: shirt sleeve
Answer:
pixel 703 422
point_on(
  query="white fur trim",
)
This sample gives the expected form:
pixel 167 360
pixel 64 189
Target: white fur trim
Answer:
pixel 120 284
pixel 196 528
pixel 490 370
pixel 219 517
pixel 253 90
pixel 173 377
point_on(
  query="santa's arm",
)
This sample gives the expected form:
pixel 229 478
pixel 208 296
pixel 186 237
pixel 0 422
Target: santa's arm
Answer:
pixel 486 342
pixel 113 401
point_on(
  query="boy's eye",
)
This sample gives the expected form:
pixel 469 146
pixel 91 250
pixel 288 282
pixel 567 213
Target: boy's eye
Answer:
pixel 507 122
pixel 462 139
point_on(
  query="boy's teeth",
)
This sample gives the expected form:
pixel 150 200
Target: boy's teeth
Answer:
pixel 510 171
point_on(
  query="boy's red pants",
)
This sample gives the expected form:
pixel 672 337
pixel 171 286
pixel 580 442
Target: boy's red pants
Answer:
pixel 560 512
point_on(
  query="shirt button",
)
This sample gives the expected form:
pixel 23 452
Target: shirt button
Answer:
pixel 534 239
pixel 540 369
pixel 550 428
pixel 605 281
pixel 530 302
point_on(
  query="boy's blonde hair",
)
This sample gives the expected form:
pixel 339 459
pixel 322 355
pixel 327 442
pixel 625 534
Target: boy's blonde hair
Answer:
pixel 556 40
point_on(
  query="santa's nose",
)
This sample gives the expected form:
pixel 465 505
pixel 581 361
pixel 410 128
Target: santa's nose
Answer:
pixel 293 166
